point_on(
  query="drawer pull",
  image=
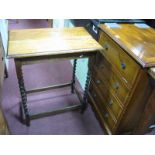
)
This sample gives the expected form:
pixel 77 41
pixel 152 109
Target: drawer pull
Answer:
pixel 105 46
pixel 106 115
pixel 98 81
pixel 111 102
pixel 94 95
pixel 123 65
pixel 116 86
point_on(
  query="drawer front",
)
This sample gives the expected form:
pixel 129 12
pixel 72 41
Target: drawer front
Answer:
pixel 106 79
pixel 100 104
pixel 127 67
pixel 110 100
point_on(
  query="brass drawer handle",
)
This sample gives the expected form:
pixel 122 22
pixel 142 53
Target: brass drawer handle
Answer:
pixel 98 81
pixel 111 102
pixel 105 46
pixel 106 115
pixel 116 86
pixel 123 65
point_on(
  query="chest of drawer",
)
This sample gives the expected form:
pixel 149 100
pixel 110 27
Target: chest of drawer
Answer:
pixel 100 104
pixel 119 59
pixel 106 79
pixel 110 101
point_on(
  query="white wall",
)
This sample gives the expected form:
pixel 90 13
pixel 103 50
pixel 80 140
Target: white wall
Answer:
pixel 4 34
pixel 82 64
pixel 60 23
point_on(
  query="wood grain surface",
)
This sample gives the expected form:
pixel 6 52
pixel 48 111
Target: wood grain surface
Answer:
pixel 50 41
pixel 138 42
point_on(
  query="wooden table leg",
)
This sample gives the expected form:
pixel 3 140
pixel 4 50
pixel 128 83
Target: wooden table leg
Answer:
pixel 85 95
pixel 147 118
pixel 6 72
pixel 50 22
pixel 23 105
pixel 73 76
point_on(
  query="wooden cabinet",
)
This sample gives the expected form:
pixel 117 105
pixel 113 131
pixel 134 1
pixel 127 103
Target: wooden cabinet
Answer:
pixel 3 125
pixel 126 66
pixel 120 86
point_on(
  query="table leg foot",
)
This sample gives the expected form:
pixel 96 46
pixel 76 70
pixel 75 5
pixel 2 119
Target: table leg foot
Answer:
pixel 24 109
pixel 23 118
pixel 21 112
pixel 6 72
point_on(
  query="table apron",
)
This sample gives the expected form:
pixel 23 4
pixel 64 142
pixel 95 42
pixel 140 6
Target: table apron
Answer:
pixel 40 59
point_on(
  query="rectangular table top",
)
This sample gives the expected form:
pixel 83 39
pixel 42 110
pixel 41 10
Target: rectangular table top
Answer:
pixel 50 41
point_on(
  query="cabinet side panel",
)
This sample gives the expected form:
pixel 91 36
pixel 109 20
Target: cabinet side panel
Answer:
pixel 136 105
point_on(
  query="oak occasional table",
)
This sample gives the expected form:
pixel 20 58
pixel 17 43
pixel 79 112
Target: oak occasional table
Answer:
pixel 30 46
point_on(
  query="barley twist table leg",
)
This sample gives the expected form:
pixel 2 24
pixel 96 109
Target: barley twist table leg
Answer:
pixel 23 105
pixel 73 76
pixel 84 103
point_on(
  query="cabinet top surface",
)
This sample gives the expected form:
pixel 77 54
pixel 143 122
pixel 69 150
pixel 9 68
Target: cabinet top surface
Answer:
pixel 138 41
pixel 50 41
